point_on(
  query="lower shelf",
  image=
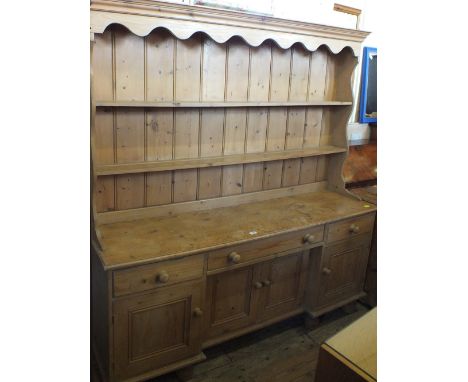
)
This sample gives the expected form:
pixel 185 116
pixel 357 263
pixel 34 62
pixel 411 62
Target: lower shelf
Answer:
pixel 226 160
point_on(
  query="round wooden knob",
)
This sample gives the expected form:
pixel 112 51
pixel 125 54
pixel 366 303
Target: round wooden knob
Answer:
pixel 197 312
pixel 326 271
pixel 234 257
pixel 267 282
pixel 354 228
pixel 258 285
pixel 162 277
pixel 308 238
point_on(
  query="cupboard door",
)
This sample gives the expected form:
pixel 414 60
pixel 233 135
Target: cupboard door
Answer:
pixel 156 329
pixel 230 303
pixel 283 281
pixel 343 270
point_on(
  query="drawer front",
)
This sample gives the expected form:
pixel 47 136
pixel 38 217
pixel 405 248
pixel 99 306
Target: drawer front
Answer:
pixel 350 227
pixel 146 277
pixel 244 253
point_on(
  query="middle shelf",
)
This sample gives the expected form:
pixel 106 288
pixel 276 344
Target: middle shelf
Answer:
pixel 181 164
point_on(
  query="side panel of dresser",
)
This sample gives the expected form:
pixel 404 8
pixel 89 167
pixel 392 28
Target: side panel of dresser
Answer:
pixel 370 285
pixel 101 314
pixel 337 271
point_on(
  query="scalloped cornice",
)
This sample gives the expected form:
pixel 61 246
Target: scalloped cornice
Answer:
pixel 143 16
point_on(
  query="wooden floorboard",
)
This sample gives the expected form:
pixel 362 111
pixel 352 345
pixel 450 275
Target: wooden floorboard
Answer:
pixel 284 352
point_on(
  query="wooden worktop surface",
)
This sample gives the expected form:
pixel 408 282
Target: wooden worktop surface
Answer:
pixel 154 239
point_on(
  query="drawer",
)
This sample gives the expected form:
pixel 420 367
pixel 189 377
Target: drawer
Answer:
pixel 146 277
pixel 349 244
pixel 244 253
pixel 345 229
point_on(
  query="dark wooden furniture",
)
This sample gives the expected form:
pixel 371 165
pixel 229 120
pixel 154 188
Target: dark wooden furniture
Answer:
pixel 360 168
pixel 360 174
pixel 219 205
pixel 369 194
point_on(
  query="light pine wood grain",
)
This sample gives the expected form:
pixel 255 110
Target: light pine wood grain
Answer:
pixel 147 277
pixel 130 136
pixel 159 134
pixel 220 75
pixel 160 53
pixel 104 193
pixel 317 82
pixel 205 230
pixel 103 88
pixel 209 183
pixel 357 344
pixel 188 57
pixel 221 24
pixel 129 66
pixel 212 120
pixel 276 135
pixel 259 89
pixel 313 117
pixel 160 49
pixel 296 116
pixel 322 168
pixel 158 188
pixel 214 71
pixel 230 304
pixel 236 120
pixel 185 185
pixel 129 124
pixel 209 166
pixel 216 104
pixel 187 122
pixel 308 173
pixel 208 204
pixel 211 161
pixel 291 172
pixel 141 346
pixel 280 69
pixel 272 175
pixel 130 191
pixel 103 128
pixel 104 137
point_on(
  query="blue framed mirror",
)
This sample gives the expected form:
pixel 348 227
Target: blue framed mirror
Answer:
pixel 368 102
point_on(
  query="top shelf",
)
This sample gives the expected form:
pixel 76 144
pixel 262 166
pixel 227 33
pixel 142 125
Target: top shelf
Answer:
pixel 216 104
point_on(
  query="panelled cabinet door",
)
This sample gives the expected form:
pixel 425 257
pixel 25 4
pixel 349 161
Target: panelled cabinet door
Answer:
pixel 283 282
pixel 153 330
pixel 343 270
pixel 230 301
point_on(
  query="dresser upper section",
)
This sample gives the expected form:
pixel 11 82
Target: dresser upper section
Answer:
pixel 143 16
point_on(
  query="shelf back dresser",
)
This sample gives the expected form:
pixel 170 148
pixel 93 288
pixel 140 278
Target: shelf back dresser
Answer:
pixel 218 203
